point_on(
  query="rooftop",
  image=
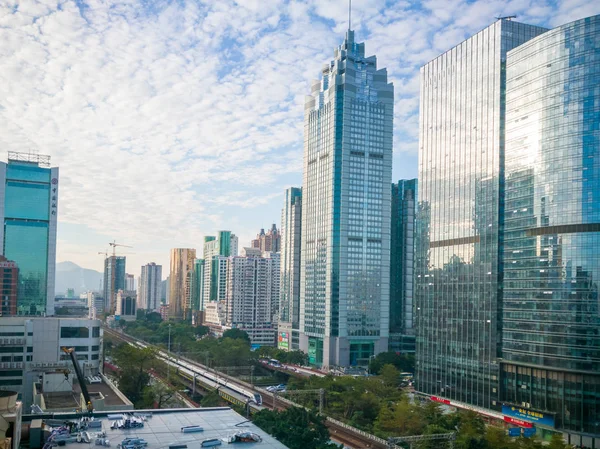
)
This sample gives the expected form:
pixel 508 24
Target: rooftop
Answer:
pixel 70 399
pixel 43 160
pixel 163 428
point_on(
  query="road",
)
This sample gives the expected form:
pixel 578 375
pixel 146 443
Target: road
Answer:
pixel 350 437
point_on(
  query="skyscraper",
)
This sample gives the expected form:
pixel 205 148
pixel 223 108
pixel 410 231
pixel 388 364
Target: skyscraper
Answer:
pixel 150 287
pixel 460 216
pixel 550 320
pixel 269 241
pixel 130 282
pixel 289 307
pixel 404 210
pixel 9 279
pixel 198 292
pixel 344 292
pixel 28 212
pixel 114 280
pixel 180 283
pixel 223 244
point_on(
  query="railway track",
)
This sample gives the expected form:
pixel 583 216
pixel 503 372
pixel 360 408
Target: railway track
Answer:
pixel 349 437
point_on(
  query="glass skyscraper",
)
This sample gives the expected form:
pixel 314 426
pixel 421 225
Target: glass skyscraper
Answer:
pixel 458 256
pixel 344 292
pixel 114 280
pixel 28 210
pixel 289 307
pixel 550 320
pixel 181 283
pixel 149 289
pixel 404 211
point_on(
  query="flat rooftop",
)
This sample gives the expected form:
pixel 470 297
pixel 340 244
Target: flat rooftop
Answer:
pixel 163 428
pixel 68 399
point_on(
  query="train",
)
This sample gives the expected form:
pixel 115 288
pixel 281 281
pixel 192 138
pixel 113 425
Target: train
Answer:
pixel 230 391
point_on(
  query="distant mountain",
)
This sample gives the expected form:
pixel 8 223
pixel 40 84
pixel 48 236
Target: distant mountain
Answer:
pixel 71 275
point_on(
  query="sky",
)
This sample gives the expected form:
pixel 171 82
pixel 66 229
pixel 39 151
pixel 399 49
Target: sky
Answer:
pixel 170 120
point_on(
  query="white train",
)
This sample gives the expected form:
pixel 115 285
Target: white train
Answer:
pixel 226 388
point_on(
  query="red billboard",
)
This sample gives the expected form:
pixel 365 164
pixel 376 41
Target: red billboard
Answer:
pixel 441 400
pixel 518 422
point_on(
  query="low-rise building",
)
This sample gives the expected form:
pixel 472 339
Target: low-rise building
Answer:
pixel 31 346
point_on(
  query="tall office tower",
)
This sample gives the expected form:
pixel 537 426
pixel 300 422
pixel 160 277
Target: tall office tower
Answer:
pixel 344 291
pixel 114 280
pixel 28 212
pixel 402 276
pixel 198 291
pixel 252 289
pixel 9 279
pixel 224 244
pixel 551 325
pixel 269 241
pixel 150 287
pixel 130 282
pixel 288 336
pixel 458 255
pixel 180 283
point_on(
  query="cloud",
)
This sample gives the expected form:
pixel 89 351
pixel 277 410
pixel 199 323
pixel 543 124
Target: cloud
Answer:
pixel 170 119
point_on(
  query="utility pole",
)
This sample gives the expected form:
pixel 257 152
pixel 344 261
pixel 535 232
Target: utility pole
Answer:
pixel 169 351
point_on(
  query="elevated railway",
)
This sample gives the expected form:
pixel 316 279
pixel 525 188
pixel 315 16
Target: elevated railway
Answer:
pixel 241 393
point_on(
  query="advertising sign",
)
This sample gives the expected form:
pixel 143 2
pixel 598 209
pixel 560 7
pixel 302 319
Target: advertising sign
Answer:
pixel 440 400
pixel 528 432
pixel 283 340
pixel 514 432
pixel 543 419
pixel 518 422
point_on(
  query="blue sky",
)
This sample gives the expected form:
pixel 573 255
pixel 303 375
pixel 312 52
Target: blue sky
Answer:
pixel 170 120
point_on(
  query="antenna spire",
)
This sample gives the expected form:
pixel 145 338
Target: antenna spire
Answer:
pixel 349 15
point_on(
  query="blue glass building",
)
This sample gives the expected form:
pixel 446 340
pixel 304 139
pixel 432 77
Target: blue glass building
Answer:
pixel 402 256
pixel 345 236
pixel 550 322
pixel 28 210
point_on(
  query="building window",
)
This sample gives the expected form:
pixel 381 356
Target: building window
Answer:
pixel 95 356
pixel 10 382
pixel 10 349
pixel 96 332
pixel 95 348
pixel 75 332
pixel 11 373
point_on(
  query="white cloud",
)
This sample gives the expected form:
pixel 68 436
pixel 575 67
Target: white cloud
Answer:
pixel 170 119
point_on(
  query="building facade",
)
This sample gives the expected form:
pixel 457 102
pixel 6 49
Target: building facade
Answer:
pixel 180 283
pixel 130 282
pixel 402 275
pixel 344 292
pixel 150 287
pixel 215 253
pixel 288 333
pixel 32 347
pixel 114 280
pixel 269 241
pixel 550 321
pixel 28 211
pixel 9 280
pixel 458 260
pixel 126 304
pixel 252 292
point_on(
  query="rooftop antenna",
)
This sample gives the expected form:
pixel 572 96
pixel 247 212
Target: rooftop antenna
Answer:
pixel 506 17
pixel 349 15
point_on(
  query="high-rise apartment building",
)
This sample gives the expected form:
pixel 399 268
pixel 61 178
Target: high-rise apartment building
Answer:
pixel 252 291
pixel 28 213
pixel 269 241
pixel 223 244
pixel 114 280
pixel 458 259
pixel 344 292
pixel 288 333
pixel 402 254
pixel 130 282
pixel 9 278
pixel 198 290
pixel 180 283
pixel 150 287
pixel 550 358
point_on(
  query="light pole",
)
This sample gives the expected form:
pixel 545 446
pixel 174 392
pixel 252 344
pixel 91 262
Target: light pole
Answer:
pixel 169 346
pixel 369 364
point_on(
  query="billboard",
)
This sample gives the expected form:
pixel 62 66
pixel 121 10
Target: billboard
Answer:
pixel 542 419
pixel 283 340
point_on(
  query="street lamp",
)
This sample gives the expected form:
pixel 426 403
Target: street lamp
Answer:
pixel 369 364
pixel 169 352
pixel 169 346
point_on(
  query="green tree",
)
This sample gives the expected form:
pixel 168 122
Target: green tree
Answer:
pixel 390 375
pixel 157 395
pixel 236 334
pixel 211 399
pixel 295 428
pixel 404 362
pixel 133 374
pixel 557 442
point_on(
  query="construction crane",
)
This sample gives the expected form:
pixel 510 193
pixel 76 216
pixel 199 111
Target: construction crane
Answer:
pixel 81 379
pixel 114 245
